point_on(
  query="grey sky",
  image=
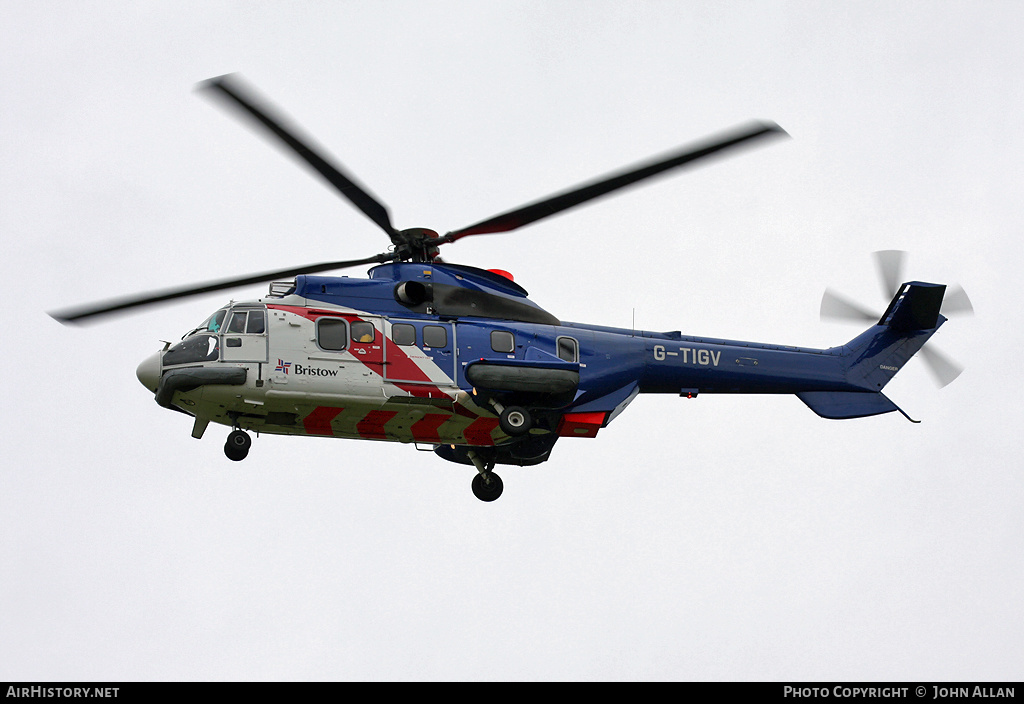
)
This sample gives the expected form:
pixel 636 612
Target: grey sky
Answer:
pixel 717 538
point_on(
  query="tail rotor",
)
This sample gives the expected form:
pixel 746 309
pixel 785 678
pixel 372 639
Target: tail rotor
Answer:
pixel 890 265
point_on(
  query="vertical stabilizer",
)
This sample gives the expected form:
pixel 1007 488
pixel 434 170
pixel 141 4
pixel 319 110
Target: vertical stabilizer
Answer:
pixel 878 353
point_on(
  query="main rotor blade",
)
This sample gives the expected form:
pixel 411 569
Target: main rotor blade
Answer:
pixel 943 369
pixel 237 95
pixel 837 307
pixel 94 310
pixel 890 270
pixel 555 204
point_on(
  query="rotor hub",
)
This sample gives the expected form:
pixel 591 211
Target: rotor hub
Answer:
pixel 417 244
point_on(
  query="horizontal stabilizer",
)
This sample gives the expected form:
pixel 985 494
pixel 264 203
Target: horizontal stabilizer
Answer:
pixel 847 404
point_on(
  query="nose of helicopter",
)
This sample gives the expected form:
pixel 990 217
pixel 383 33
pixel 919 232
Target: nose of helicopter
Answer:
pixel 149 371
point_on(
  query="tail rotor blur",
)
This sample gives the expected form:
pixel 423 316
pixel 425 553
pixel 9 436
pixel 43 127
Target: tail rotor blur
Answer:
pixel 890 265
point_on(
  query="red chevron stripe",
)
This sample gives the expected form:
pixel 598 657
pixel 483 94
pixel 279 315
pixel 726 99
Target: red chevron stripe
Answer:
pixel 401 366
pixel 425 429
pixel 372 426
pixel 479 431
pixel 319 421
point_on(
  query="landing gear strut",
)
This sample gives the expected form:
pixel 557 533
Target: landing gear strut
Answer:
pixel 487 485
pixel 237 446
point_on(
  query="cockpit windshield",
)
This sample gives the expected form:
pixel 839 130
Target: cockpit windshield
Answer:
pixel 213 323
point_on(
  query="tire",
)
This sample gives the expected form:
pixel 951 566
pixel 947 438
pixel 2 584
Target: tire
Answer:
pixel 489 488
pixel 237 446
pixel 515 421
pixel 233 453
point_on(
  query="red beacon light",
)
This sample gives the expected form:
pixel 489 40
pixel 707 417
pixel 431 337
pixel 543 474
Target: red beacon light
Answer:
pixel 502 272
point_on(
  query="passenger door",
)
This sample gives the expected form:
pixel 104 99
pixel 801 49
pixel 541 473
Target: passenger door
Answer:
pixel 413 343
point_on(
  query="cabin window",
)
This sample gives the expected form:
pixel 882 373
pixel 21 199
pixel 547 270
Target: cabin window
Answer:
pixel 403 334
pixel 331 334
pixel 435 336
pixel 503 341
pixel 568 349
pixel 363 331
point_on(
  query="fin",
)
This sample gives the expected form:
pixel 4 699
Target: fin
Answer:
pixel 914 307
pixel 874 356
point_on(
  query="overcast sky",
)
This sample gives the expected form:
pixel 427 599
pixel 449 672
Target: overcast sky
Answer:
pixel 721 538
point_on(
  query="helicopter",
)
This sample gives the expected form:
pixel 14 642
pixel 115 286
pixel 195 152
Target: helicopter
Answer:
pixel 458 360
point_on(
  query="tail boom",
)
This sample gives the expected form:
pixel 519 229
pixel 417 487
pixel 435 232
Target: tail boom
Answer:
pixel 840 382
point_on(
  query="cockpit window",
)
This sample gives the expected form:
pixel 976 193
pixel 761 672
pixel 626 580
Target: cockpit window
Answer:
pixel 257 324
pixel 237 323
pixel 251 322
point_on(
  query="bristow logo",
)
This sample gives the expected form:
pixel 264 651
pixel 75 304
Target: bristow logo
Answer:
pixel 315 371
pixel 283 366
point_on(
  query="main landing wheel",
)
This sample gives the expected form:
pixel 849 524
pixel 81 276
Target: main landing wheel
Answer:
pixel 515 421
pixel 237 446
pixel 487 486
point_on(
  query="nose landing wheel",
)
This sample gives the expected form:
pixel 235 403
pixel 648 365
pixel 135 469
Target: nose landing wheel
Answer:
pixel 487 485
pixel 237 446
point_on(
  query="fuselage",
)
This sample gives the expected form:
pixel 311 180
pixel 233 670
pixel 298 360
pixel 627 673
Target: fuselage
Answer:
pixel 430 353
